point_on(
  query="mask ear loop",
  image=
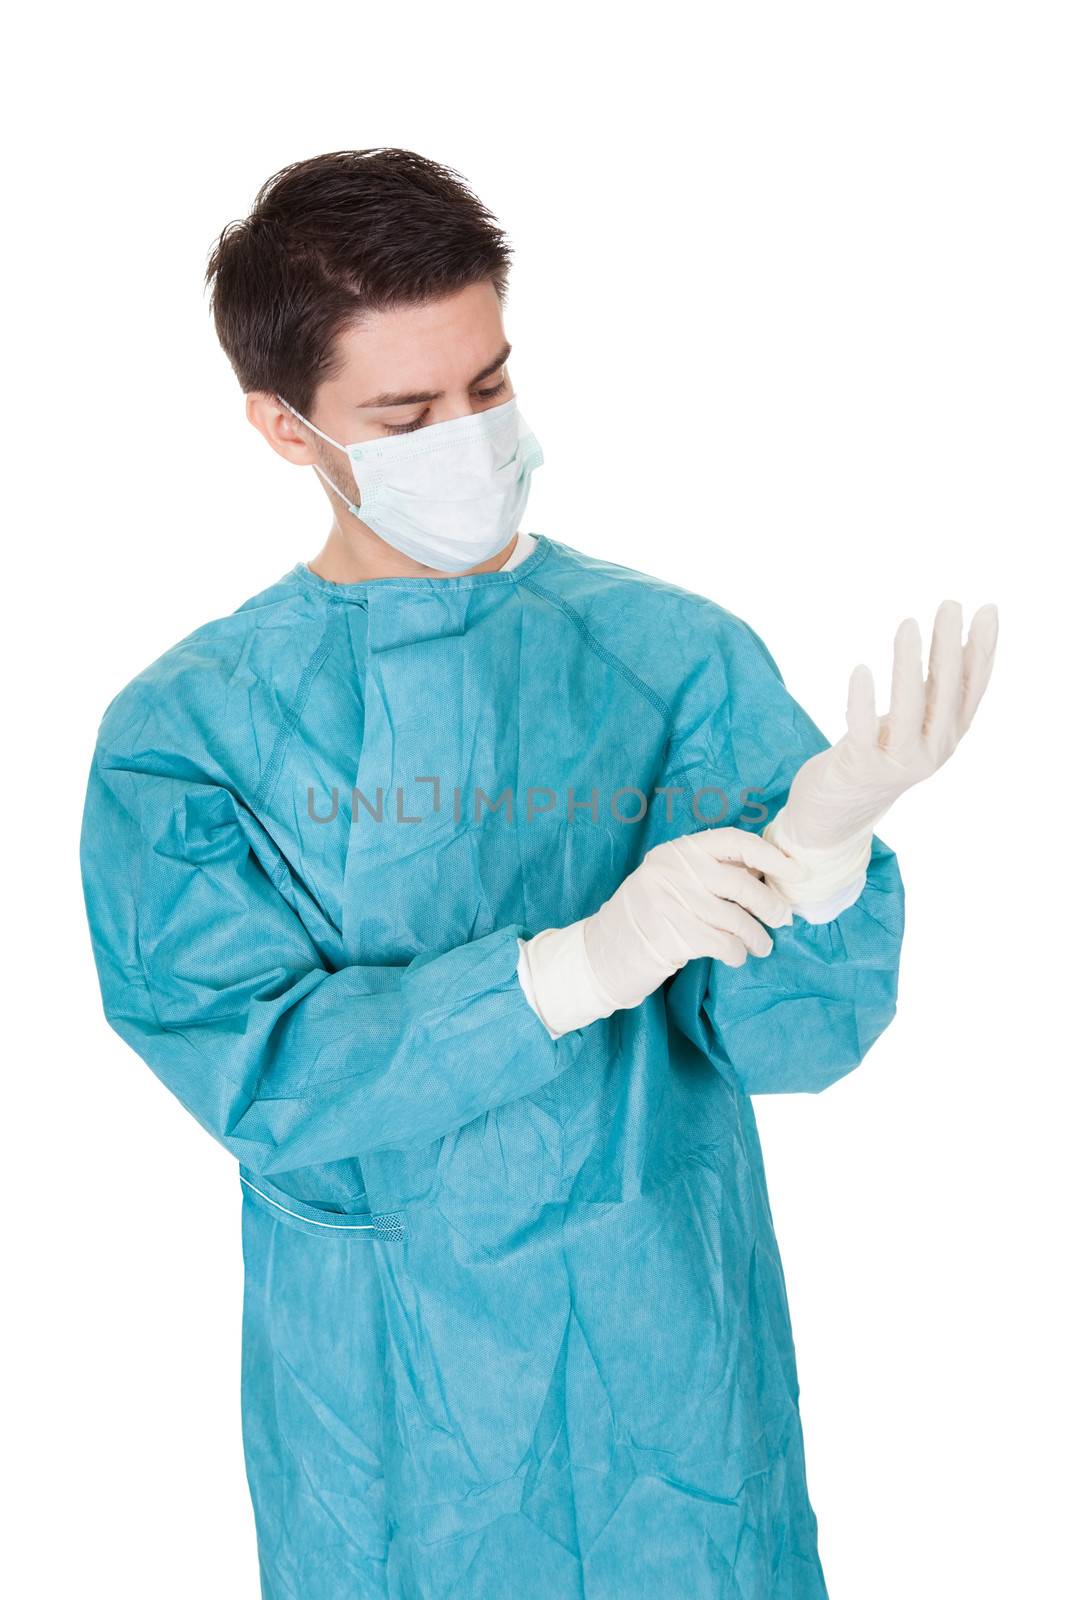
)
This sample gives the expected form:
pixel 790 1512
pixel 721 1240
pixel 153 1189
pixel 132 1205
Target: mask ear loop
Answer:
pixel 308 423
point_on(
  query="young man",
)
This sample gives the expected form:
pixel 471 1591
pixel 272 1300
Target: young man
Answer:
pixel 437 883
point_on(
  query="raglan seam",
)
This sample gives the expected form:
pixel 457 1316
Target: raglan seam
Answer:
pixel 273 768
pixel 607 656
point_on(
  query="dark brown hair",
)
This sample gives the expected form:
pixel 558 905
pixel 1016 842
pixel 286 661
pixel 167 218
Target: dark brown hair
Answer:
pixel 332 238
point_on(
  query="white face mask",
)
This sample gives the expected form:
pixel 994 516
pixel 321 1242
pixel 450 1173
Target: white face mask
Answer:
pixel 450 495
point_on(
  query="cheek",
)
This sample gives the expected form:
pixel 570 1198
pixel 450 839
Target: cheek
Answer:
pixel 341 470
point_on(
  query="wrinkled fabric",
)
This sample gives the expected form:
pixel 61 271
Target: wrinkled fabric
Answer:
pixel 515 1326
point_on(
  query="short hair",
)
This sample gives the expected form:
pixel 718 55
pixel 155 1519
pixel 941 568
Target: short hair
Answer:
pixel 332 238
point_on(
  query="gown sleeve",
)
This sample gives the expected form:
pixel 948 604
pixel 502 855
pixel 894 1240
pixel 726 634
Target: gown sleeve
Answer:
pixel 209 973
pixel 805 1015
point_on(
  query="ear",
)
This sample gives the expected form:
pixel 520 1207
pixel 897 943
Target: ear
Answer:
pixel 282 431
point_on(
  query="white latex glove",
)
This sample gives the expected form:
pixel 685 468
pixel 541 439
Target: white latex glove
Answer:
pixel 836 798
pixel 700 895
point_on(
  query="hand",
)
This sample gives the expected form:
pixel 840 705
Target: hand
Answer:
pixel 842 792
pixel 699 895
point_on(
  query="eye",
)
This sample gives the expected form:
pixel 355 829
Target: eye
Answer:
pixel 488 394
pixel 405 427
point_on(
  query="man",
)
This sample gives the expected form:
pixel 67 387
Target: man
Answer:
pixel 466 887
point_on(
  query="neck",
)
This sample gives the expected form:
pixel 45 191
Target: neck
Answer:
pixel 353 554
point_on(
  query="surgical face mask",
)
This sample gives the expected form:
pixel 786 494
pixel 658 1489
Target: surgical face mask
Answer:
pixel 450 495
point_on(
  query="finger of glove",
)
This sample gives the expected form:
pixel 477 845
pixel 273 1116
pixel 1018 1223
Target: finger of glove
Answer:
pixel 750 850
pixel 978 656
pixel 698 920
pixel 907 697
pixel 692 910
pixel 671 925
pixel 861 716
pixel 699 873
pixel 726 881
pixel 945 678
pixel 725 948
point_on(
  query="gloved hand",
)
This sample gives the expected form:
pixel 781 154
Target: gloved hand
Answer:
pixel 699 895
pixel 835 799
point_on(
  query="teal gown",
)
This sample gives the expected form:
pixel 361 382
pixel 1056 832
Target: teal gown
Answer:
pixel 515 1325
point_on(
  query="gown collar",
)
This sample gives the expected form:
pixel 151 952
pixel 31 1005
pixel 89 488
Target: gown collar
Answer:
pixel 357 593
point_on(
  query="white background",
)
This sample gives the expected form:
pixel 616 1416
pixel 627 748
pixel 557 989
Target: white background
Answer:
pixel 788 317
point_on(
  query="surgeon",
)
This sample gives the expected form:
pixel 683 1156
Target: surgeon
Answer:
pixel 466 887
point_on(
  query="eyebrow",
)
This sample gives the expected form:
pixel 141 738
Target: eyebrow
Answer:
pixel 424 396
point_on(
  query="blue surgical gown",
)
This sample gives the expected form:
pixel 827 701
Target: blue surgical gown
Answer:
pixel 514 1320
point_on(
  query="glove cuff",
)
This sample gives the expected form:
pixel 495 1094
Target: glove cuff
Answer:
pixel 558 980
pixel 822 875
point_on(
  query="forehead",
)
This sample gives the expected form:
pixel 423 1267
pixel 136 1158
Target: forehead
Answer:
pixel 433 346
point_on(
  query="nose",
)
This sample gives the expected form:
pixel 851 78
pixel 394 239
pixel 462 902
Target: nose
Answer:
pixel 451 407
